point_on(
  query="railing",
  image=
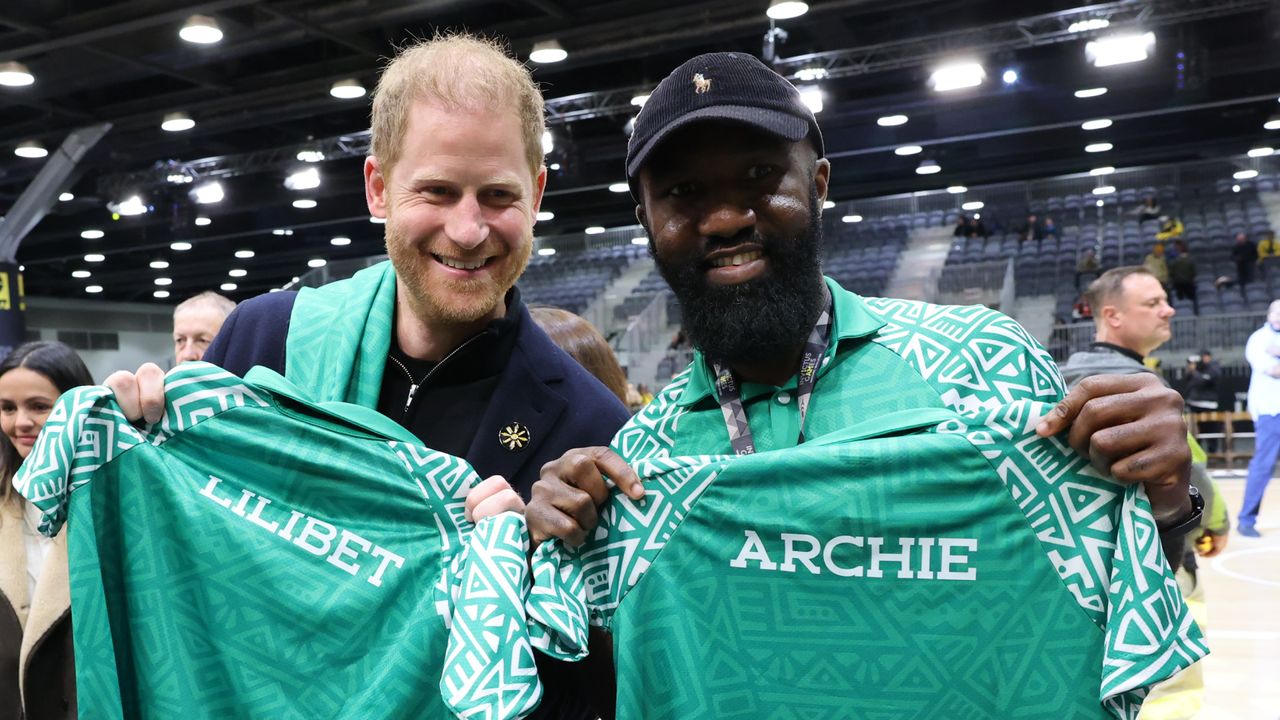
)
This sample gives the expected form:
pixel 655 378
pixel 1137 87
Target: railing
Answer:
pixel 334 271
pixel 1224 334
pixel 1009 292
pixel 648 330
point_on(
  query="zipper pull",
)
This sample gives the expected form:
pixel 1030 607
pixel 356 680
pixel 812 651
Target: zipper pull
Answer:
pixel 409 400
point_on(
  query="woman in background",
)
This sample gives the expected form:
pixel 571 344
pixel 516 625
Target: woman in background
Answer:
pixel 37 669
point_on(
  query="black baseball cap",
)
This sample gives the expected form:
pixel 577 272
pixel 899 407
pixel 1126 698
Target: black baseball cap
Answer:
pixel 720 86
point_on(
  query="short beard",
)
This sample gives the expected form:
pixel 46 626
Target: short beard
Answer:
pixel 760 320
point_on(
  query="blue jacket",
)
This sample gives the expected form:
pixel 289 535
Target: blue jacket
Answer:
pixel 560 403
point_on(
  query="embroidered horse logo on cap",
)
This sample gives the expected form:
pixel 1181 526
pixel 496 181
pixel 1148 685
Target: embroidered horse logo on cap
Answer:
pixel 701 84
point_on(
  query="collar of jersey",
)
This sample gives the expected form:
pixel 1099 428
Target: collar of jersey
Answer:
pixel 852 321
pixel 347 414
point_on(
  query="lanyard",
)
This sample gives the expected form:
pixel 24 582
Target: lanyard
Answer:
pixel 735 416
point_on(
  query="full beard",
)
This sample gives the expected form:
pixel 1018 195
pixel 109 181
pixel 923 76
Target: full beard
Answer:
pixel 448 299
pixel 761 319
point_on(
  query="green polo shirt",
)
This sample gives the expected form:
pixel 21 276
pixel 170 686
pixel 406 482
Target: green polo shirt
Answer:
pixel 885 355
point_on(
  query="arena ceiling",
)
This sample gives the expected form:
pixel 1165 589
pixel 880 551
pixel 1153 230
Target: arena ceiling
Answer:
pixel 262 94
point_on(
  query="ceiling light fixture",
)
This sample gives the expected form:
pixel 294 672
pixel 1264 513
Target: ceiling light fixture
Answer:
pixel 237 272
pixel 161 294
pixel 548 142
pixel 594 230
pixel 641 240
pixel 1261 152
pixel 208 193
pixel 317 262
pixel 163 281
pixel 545 215
pixel 1245 175
pixel 1009 77
pixel 377 220
pixel 928 167
pixel 130 206
pixel 908 150
pixel 548 51
pixel 1091 92
pixel 851 218
pixel 348 89
pixel 340 241
pixel 95 257
pixel 975 205
pixel 957 75
pixel 15 74
pixel 812 74
pixel 244 254
pixel 310 155
pixel 30 149
pixel 177 122
pixel 957 189
pixel 159 264
pixel 640 100
pixel 282 231
pixel 1099 124
pixel 202 221
pixel 1087 25
pixel 1104 190
pixel 1106 170
pixel 891 120
pixel 1098 147
pixel 304 203
pixel 544 252
pixel 93 289
pixel 828 204
pixel 201 30
pixel 180 246
pixel 1272 124
pixel 91 234
pixel 227 287
pixel 786 9
pixel 812 96
pixel 66 197
pixel 80 274
pixel 1119 49
pixel 306 179
pixel 619 187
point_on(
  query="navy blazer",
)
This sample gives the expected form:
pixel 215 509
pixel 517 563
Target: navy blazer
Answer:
pixel 542 387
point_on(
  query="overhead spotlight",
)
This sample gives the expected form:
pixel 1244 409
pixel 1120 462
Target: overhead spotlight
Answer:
pixel 179 178
pixel 159 264
pixel 908 150
pixel 307 179
pixel 237 272
pixel 340 241
pixel 828 204
pixel 91 234
pixel 163 281
pixel 1104 190
pixel 851 219
pixel 619 188
pixel 641 240
pixel 177 122
pixel 201 30
pixel 1245 174
pixel 348 89
pixel 131 205
pixel 1235 188
pixel 208 193
pixel 304 203
pixel 1095 124
pixel 548 51
pixel 928 167
pixel 244 254
pixel 202 221
pixel 1009 76
pixel 93 289
pixel 544 252
pixel 1097 147
pixel 95 257
pixel 160 294
pixel 812 74
pixel 1261 151
pixel 891 120
pixel 640 100
pixel 317 263
pixel 786 9
pixel 227 287
pixel 1119 49
pixel 1100 203
pixel 66 197
pixel 545 215
pixel 310 155
pixel 594 230
pixel 1091 92
pixel 1107 170
pixel 812 96
pixel 957 189
pixel 957 75
pixel 377 220
pixel 548 142
pixel 180 246
pixel 81 274
pixel 975 205
pixel 30 149
pixel 15 74
pixel 1272 124
pixel 1087 25
pixel 553 166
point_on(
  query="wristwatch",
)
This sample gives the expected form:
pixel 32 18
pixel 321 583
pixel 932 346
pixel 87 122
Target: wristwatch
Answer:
pixel 1188 522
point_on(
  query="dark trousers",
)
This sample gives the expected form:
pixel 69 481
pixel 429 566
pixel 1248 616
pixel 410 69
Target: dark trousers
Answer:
pixel 1267 448
pixel 1188 290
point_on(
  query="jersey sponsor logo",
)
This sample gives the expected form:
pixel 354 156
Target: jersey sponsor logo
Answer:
pixel 907 558
pixel 339 547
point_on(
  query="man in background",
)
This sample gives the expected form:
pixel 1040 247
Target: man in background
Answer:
pixel 196 322
pixel 1262 351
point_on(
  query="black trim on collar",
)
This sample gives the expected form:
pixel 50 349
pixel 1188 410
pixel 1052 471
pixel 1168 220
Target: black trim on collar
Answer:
pixel 1112 347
